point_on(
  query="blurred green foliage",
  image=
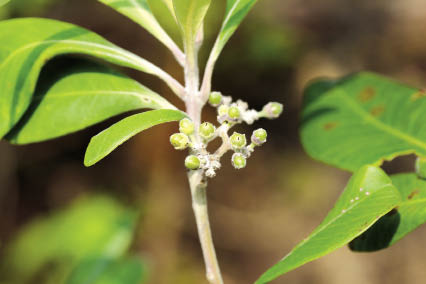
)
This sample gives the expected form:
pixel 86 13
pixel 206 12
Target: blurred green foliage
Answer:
pixel 48 248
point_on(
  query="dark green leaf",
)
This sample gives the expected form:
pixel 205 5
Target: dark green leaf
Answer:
pixel 101 270
pixel 368 196
pixel 28 43
pixel 409 215
pixel 105 142
pixel 363 119
pixel 79 95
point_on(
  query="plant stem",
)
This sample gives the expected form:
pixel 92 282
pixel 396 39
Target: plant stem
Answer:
pixel 199 205
pixel 198 185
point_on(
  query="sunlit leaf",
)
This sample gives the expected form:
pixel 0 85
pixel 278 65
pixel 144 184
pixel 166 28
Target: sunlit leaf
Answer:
pixel 102 270
pixel 409 215
pixel 190 15
pixel 140 12
pixel 363 119
pixel 23 54
pixel 105 142
pixel 90 226
pixel 368 196
pixel 80 95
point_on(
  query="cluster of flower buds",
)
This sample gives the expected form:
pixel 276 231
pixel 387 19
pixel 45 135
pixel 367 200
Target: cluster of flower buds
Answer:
pixel 229 114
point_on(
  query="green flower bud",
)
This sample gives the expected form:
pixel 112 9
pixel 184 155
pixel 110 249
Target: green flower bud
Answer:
pixel 273 110
pixel 192 162
pixel 234 112
pixel 215 99
pixel 207 130
pixel 238 140
pixel 239 161
pixel 180 141
pixel 421 167
pixel 223 110
pixel 259 137
pixel 186 126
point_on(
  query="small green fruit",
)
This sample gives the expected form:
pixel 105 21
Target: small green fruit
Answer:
pixel 238 140
pixel 180 141
pixel 421 167
pixel 273 110
pixel 259 137
pixel 186 126
pixel 239 161
pixel 215 99
pixel 207 130
pixel 192 162
pixel 234 112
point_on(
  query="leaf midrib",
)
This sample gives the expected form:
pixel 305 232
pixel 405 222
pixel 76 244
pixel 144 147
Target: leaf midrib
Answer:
pixel 380 125
pixel 115 50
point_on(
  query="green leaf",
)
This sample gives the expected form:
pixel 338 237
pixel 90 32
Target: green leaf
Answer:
pixel 23 54
pixel 190 15
pixel 368 196
pixel 105 142
pixel 140 12
pixel 409 215
pixel 363 119
pixel 96 225
pixel 236 11
pixel 79 95
pixel 101 270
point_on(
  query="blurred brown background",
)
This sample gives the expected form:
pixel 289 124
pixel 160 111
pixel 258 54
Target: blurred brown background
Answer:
pixel 258 214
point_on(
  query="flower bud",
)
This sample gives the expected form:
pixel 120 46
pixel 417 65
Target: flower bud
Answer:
pixel 234 113
pixel 273 110
pixel 186 126
pixel 207 130
pixel 421 167
pixel 223 110
pixel 259 137
pixel 180 141
pixel 239 161
pixel 192 162
pixel 215 99
pixel 238 141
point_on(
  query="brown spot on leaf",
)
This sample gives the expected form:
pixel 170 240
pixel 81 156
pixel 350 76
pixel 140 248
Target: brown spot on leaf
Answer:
pixel 378 110
pixel 367 94
pixel 420 94
pixel 413 194
pixel 330 126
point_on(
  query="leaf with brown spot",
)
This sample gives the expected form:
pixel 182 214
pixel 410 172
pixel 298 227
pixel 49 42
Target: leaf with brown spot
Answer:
pixel 367 94
pixel 377 121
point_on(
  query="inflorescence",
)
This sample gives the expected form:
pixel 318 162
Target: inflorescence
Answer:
pixel 229 114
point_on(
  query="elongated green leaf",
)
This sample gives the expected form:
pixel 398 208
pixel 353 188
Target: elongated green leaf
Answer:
pixel 105 142
pixel 23 54
pixel 368 196
pixel 236 11
pixel 102 270
pixel 80 95
pixel 363 119
pixel 409 215
pixel 95 225
pixel 140 12
pixel 190 15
